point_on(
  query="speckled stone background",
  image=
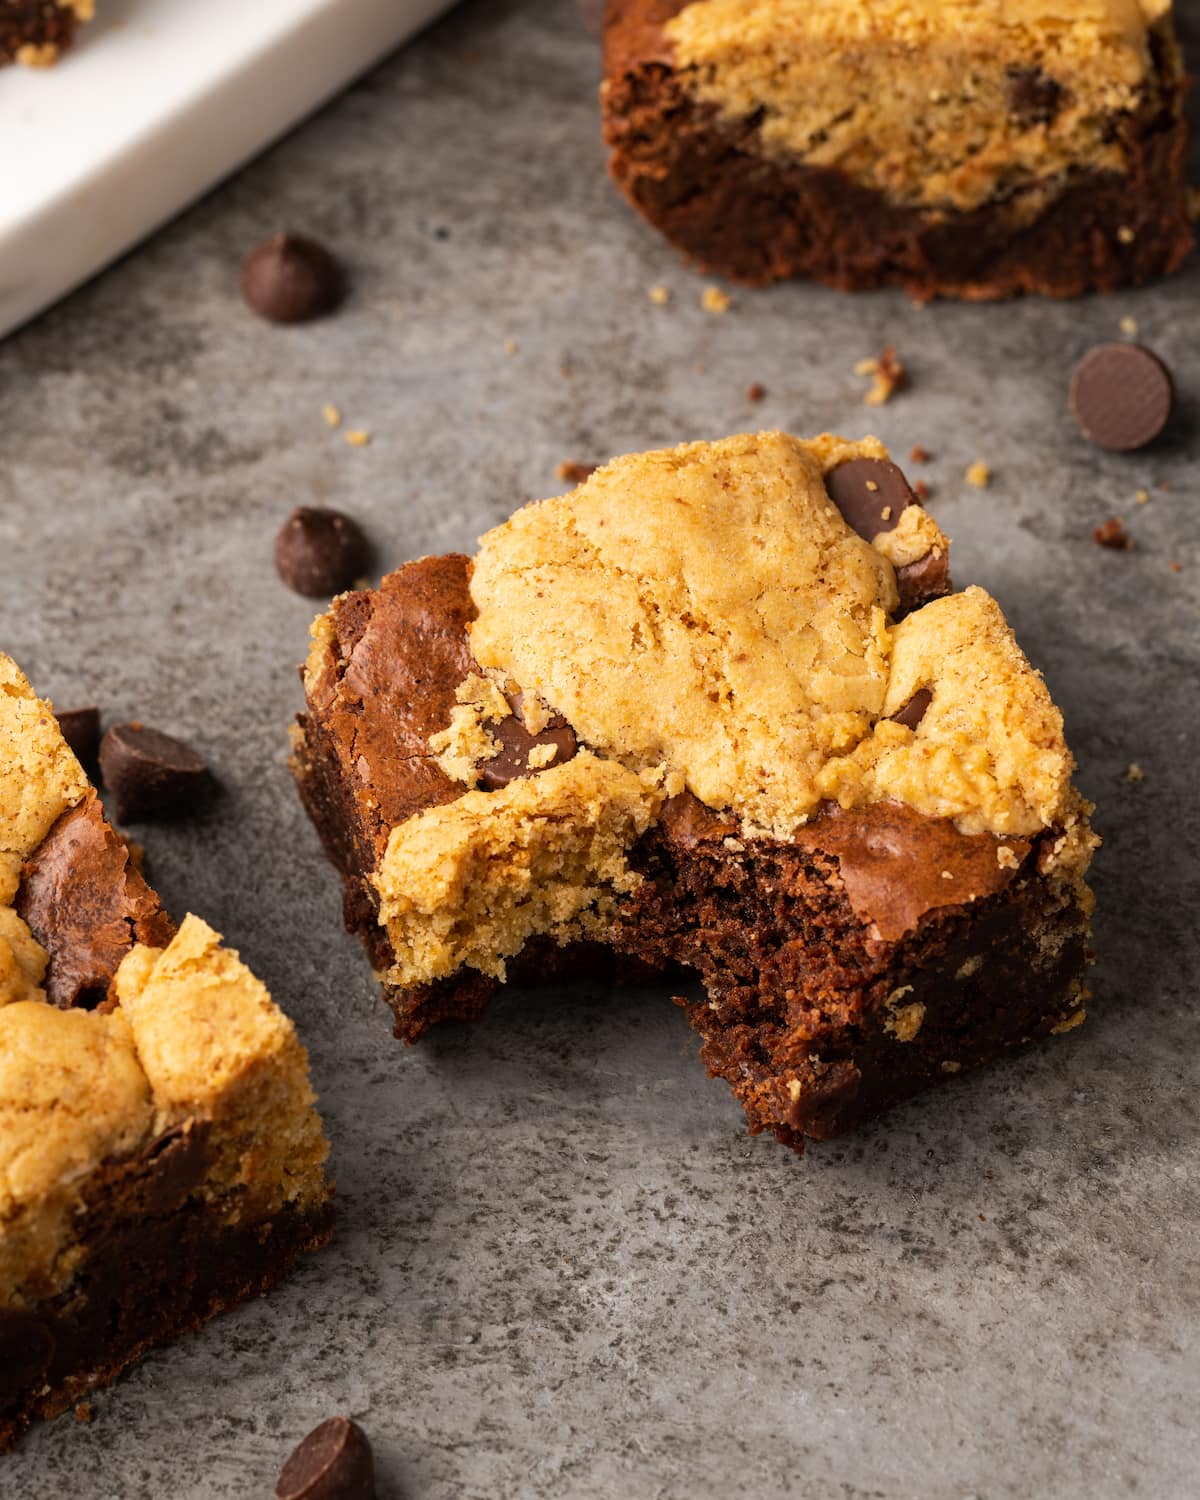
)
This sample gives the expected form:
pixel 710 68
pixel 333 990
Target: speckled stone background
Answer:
pixel 562 1267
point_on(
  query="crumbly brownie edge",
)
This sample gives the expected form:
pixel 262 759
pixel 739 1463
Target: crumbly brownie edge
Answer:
pixel 157 1264
pixel 706 187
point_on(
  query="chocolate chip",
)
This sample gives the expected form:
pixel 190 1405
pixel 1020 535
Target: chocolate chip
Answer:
pixel 927 578
pixel 26 1349
pixel 81 729
pixel 149 772
pixel 1121 396
pixel 517 743
pixel 914 710
pixel 320 552
pixel 1034 98
pixel 290 279
pixel 333 1462
pixel 870 493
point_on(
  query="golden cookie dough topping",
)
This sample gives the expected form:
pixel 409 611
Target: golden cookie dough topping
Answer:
pixel 932 102
pixel 471 881
pixel 708 609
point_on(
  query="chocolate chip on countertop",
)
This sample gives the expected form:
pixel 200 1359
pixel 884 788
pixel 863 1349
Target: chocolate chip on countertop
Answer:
pixel 290 279
pixel 914 710
pixel 333 1462
pixel 149 772
pixel 1121 396
pixel 320 552
pixel 81 729
pixel 870 493
pixel 517 743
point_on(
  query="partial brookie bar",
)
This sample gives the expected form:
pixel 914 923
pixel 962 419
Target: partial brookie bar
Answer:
pixel 160 1154
pixel 36 32
pixel 964 148
pixel 717 709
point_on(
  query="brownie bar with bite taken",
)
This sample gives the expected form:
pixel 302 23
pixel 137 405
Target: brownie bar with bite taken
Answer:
pixel 160 1154
pixel 715 708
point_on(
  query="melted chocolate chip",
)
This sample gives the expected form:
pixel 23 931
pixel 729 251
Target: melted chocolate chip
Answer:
pixel 914 710
pixel 150 772
pixel 870 493
pixel 320 552
pixel 517 743
pixel 1034 98
pixel 1121 396
pixel 334 1462
pixel 290 279
pixel 81 729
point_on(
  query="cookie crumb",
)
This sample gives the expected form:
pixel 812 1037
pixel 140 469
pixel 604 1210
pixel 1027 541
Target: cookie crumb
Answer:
pixel 714 300
pixel 660 295
pixel 919 455
pixel 1134 772
pixel 979 475
pixel 510 346
pixel 756 392
pixel 1126 235
pixel 357 437
pixel 1142 497
pixel 1113 535
pixel 574 473
pixel 1129 327
pixel 951 1067
pixel 1175 567
pixel 889 376
pixel 922 491
pixel 83 1411
pixel 1006 858
pixel 332 415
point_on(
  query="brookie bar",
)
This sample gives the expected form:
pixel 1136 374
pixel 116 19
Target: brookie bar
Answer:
pixel 715 708
pixel 966 148
pixel 160 1154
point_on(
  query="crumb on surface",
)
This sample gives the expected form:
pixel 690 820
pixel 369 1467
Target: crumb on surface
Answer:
pixel 357 437
pixel 1112 534
pixel 889 375
pixel 1129 327
pixel 979 475
pixel 922 491
pixel 1142 497
pixel 332 415
pixel 919 455
pixel 83 1411
pixel 714 300
pixel 756 392
pixel 510 346
pixel 1175 567
pixel 660 295
pixel 1134 772
pixel 571 472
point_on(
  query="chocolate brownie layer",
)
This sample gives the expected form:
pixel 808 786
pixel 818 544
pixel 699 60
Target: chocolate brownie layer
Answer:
pixel 866 953
pixel 759 211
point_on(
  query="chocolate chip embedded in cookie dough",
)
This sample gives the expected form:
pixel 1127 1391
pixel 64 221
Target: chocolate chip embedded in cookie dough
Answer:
pixel 151 773
pixel 870 493
pixel 334 1462
pixel 1034 98
pixel 1121 396
pixel 81 730
pixel 914 710
pixel 320 552
pixel 290 279
pixel 522 753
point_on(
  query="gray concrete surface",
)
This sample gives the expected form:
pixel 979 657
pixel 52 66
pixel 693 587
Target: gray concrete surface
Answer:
pixel 562 1267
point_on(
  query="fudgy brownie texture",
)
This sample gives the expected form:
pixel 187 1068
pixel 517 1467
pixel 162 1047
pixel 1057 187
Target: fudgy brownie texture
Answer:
pixel 851 818
pixel 160 1155
pixel 35 32
pixel 970 153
